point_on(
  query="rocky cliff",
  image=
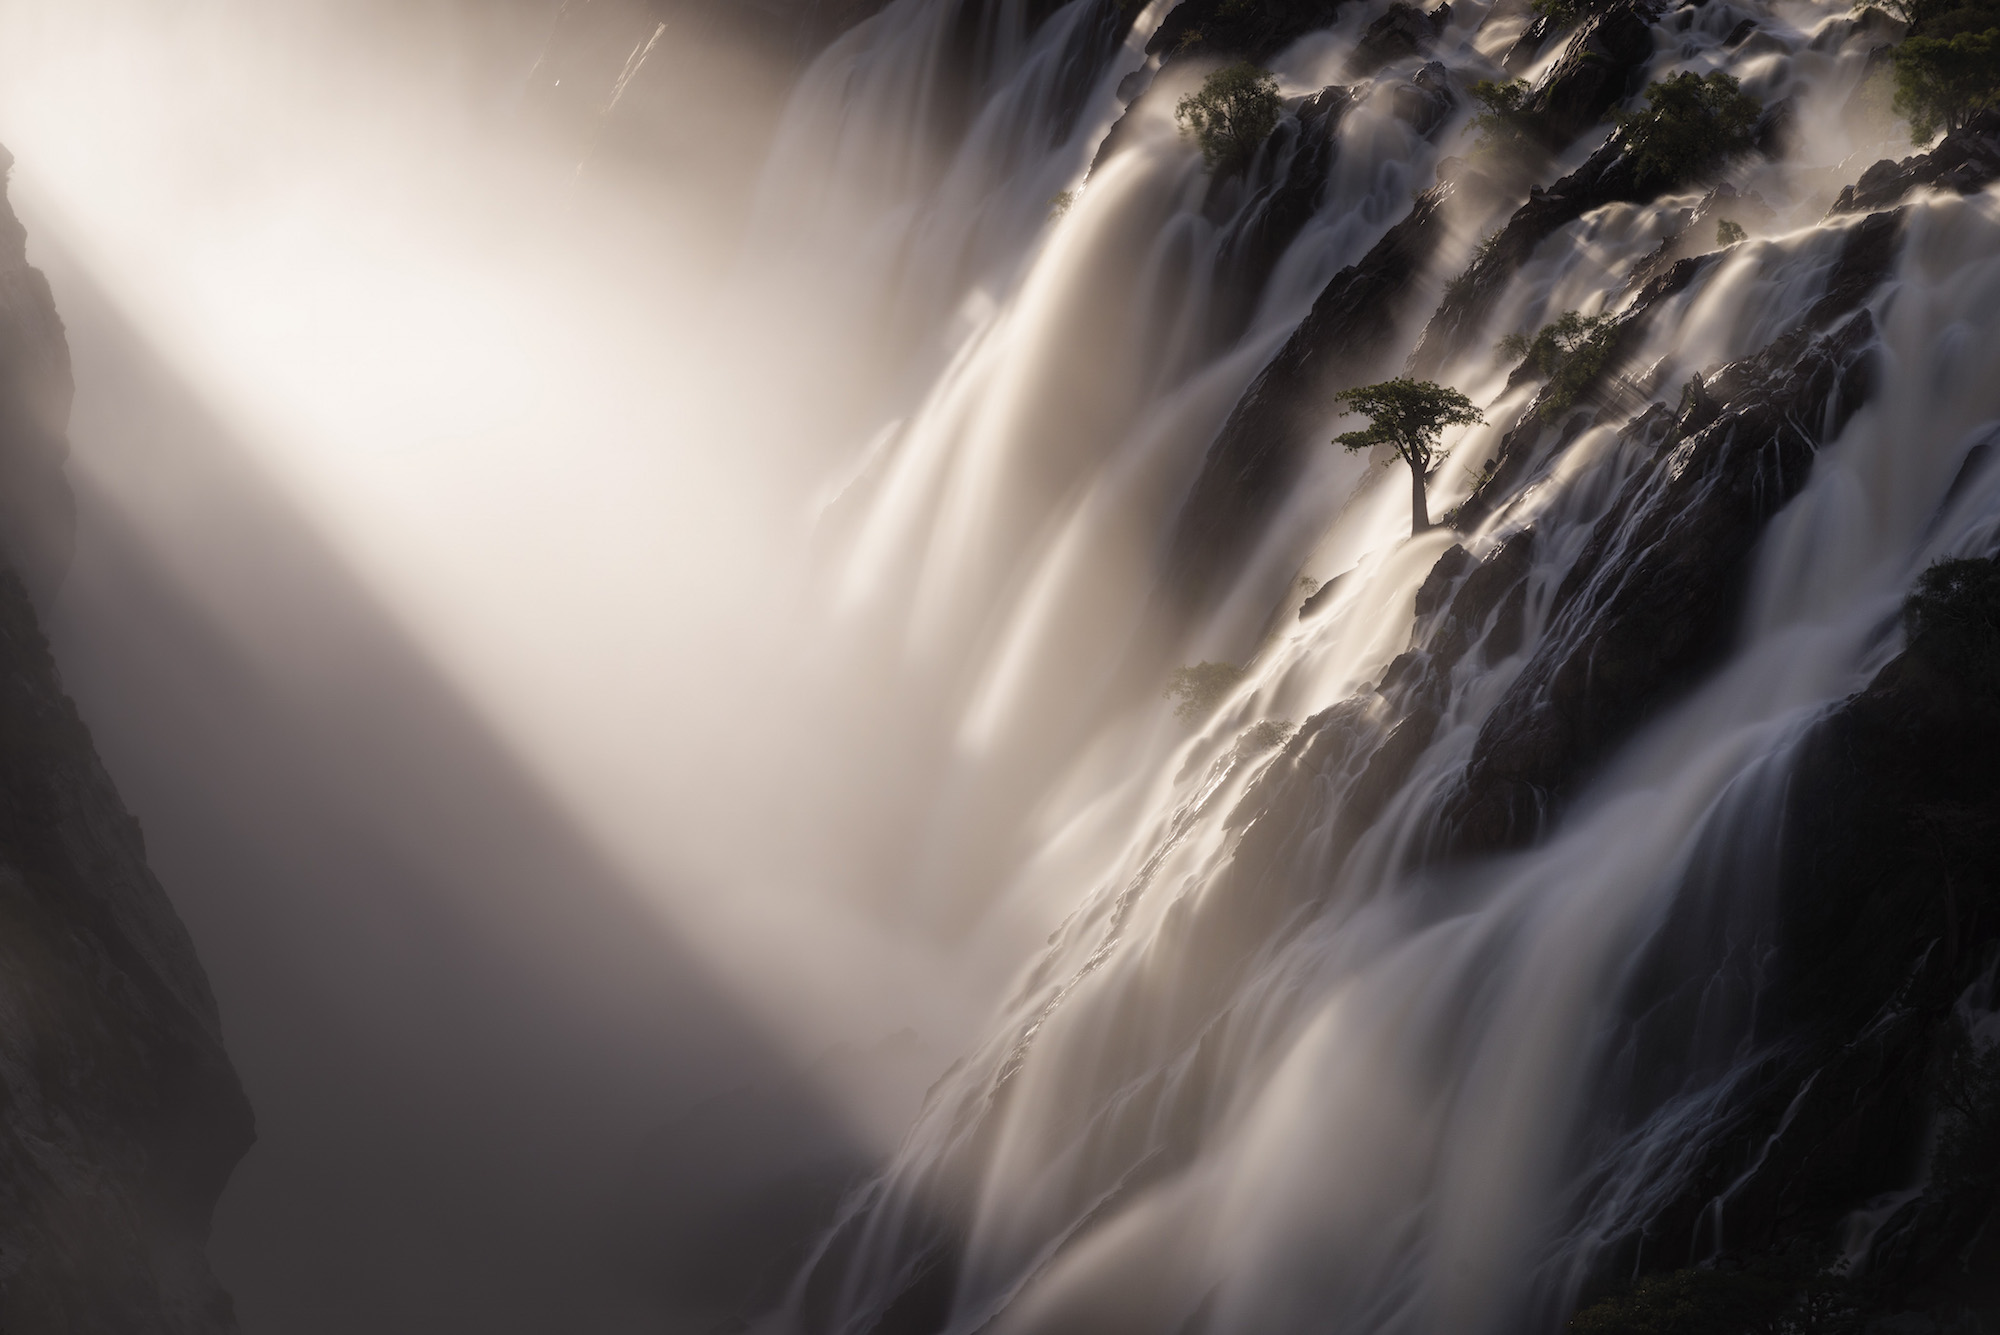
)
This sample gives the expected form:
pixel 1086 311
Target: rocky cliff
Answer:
pixel 120 1115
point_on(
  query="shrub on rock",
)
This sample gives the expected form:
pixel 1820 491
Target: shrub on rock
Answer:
pixel 1232 113
pixel 1690 127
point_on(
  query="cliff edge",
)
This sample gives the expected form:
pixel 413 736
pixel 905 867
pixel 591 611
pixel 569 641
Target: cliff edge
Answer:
pixel 120 1115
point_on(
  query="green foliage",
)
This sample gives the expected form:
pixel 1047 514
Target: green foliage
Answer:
pixel 1570 351
pixel 1941 82
pixel 1060 203
pixel 1728 233
pixel 1407 415
pixel 1507 128
pixel 1952 621
pixel 1967 1157
pixel 1691 125
pixel 1782 1295
pixel 1234 111
pixel 1201 688
pixel 1560 13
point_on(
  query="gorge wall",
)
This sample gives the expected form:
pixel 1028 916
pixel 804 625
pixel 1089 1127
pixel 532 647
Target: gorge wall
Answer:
pixel 120 1115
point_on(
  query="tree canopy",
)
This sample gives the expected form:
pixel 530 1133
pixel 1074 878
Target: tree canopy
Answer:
pixel 1409 416
pixel 1691 125
pixel 1569 351
pixel 1943 81
pixel 1232 113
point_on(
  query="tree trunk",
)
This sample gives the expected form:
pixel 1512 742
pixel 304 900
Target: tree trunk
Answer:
pixel 1420 514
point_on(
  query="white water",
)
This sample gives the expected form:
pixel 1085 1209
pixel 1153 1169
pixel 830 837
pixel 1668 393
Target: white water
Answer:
pixel 862 779
pixel 1374 1110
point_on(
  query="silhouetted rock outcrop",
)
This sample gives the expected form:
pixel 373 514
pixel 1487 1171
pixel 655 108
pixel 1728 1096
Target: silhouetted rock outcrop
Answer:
pixel 1402 31
pixel 120 1116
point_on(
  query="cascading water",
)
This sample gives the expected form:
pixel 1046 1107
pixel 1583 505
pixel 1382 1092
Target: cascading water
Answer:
pixel 1296 1058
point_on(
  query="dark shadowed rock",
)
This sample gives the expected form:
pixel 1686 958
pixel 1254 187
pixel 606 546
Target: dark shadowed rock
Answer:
pixel 1887 912
pixel 120 1115
pixel 1425 101
pixel 1966 161
pixel 1597 71
pixel 1403 31
pixel 1255 32
pixel 1263 445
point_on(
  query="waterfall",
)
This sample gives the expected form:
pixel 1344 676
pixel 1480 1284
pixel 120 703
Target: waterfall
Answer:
pixel 1322 1042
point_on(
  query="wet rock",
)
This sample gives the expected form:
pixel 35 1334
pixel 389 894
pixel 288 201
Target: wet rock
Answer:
pixel 1425 101
pixel 1696 232
pixel 1649 604
pixel 1262 447
pixel 120 1116
pixel 1443 577
pixel 1967 160
pixel 1600 67
pixel 1528 46
pixel 1403 31
pixel 1285 188
pixel 1604 179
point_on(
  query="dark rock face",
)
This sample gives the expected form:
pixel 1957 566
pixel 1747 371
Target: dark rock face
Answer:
pixel 1229 28
pixel 1425 101
pixel 1402 31
pixel 120 1116
pixel 1649 604
pixel 1262 446
pixel 1966 161
pixel 1597 71
pixel 1888 911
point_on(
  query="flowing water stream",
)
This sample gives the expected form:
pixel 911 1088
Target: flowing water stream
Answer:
pixel 1278 1069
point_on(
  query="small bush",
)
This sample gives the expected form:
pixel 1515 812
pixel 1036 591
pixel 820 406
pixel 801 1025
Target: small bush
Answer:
pixel 1060 202
pixel 1795 1294
pixel 1508 131
pixel 1201 688
pixel 1952 621
pixel 1264 735
pixel 1691 126
pixel 1570 351
pixel 1233 113
pixel 1728 233
pixel 1942 82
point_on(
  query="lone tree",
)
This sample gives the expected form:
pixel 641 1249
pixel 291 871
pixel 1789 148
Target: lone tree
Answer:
pixel 1408 416
pixel 1691 125
pixel 1235 111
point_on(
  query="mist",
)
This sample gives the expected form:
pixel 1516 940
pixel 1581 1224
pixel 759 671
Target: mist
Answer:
pixel 445 497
